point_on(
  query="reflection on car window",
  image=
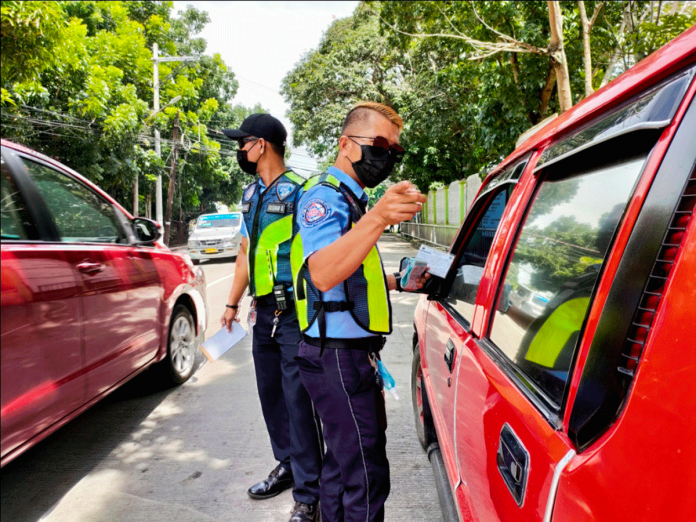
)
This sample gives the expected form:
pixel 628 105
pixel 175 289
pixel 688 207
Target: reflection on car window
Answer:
pixel 555 266
pixel 16 221
pixel 80 214
pixel 462 295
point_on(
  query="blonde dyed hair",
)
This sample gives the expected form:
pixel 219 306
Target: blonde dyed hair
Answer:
pixel 360 113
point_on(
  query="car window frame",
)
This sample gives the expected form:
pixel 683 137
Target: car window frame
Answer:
pixel 509 177
pixel 537 396
pixel 55 236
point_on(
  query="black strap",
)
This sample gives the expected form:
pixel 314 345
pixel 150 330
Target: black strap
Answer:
pixel 334 306
pixel 366 344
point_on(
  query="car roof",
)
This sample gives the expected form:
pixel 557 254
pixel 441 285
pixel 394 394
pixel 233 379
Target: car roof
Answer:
pixel 667 60
pixel 51 161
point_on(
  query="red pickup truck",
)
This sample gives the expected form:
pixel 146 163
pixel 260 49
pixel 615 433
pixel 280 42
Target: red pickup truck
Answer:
pixel 554 368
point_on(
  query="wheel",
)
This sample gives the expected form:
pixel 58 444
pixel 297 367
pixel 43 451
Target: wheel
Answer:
pixel 177 366
pixel 421 408
pixel 196 261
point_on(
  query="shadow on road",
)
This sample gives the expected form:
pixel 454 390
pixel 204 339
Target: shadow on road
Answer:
pixel 36 480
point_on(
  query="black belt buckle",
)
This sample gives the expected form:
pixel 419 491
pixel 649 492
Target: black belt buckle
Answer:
pixel 281 297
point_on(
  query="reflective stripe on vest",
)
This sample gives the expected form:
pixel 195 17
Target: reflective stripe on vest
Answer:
pixel 266 258
pixel 556 330
pixel 375 317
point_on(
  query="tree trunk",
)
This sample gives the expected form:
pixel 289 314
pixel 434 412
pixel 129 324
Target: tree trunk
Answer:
pixel 587 55
pixel 172 180
pixel 555 50
pixel 546 93
pixel 136 196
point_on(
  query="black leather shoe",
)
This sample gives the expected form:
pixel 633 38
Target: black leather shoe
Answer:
pixel 304 513
pixel 278 481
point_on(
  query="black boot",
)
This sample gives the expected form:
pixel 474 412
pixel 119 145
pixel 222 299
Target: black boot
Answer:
pixel 305 513
pixel 278 481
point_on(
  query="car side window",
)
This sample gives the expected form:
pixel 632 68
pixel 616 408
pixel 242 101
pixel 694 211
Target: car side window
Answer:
pixel 473 256
pixel 80 215
pixel 16 222
pixel 554 268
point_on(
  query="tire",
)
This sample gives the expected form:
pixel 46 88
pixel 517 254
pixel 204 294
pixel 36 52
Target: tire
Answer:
pixel 421 408
pixel 179 362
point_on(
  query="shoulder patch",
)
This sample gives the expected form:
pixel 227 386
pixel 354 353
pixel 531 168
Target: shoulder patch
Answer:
pixel 315 212
pixel 249 192
pixel 284 190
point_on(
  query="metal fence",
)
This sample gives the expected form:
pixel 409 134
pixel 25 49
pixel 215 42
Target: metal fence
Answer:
pixel 438 235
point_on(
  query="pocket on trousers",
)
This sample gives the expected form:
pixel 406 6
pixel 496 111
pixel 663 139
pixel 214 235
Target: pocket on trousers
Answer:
pixel 357 372
pixel 307 361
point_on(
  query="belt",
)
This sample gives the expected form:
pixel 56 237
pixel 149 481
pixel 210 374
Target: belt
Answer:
pixel 269 300
pixel 364 344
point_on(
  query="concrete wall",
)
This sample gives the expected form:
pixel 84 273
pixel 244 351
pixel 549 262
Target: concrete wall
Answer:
pixel 449 205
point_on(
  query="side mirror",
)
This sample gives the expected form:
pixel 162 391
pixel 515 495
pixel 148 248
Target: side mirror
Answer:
pixel 146 231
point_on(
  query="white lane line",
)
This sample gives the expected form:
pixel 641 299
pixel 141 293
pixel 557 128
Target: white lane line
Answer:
pixel 219 280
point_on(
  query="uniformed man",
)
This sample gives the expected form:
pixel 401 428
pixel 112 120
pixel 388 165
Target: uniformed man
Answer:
pixel 344 310
pixel 263 264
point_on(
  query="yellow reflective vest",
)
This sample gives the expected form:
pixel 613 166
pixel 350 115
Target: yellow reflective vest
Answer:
pixel 366 290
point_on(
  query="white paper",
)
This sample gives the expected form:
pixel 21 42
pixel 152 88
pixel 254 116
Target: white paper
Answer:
pixel 438 262
pixel 222 341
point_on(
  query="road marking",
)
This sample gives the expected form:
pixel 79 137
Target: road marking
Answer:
pixel 219 280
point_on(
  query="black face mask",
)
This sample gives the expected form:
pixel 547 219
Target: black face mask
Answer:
pixel 247 166
pixel 375 165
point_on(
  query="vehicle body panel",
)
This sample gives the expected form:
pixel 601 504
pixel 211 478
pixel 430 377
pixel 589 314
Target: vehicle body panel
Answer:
pixel 82 332
pixel 472 405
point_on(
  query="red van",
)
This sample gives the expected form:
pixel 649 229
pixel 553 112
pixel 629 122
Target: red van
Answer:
pixel 90 298
pixel 577 400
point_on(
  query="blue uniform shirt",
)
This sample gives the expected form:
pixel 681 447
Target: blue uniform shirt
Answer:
pixel 322 216
pixel 262 187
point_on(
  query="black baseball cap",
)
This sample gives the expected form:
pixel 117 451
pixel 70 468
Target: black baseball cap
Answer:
pixel 261 126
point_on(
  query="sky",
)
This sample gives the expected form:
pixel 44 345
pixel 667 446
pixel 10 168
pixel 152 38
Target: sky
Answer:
pixel 261 42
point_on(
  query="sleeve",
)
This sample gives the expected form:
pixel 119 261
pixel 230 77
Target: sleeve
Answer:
pixel 322 216
pixel 245 232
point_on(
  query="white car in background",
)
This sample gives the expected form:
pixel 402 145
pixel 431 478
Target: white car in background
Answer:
pixel 216 236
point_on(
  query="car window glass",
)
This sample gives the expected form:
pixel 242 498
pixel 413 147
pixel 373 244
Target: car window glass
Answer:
pixel 218 221
pixel 554 268
pixel 469 266
pixel 16 220
pixel 80 214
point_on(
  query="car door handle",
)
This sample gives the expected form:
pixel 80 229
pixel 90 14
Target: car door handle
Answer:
pixel 450 350
pixel 513 463
pixel 90 267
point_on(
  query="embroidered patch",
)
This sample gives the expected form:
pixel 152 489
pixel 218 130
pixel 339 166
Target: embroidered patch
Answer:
pixel 315 212
pixel 284 190
pixel 245 207
pixel 249 192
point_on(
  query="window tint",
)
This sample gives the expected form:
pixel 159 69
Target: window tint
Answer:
pixel 80 214
pixel 462 294
pixel 16 221
pixel 555 267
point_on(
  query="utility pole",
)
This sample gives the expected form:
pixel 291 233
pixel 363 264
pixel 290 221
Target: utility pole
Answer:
pixel 172 180
pixel 156 86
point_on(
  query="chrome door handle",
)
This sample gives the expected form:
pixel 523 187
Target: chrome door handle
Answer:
pixel 90 267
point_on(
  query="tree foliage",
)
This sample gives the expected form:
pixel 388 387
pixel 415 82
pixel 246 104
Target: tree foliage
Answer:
pixel 447 68
pixel 77 85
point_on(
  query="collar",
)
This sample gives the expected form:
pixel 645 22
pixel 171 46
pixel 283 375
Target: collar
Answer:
pixel 349 182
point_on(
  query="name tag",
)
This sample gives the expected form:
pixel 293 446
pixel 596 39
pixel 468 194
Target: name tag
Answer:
pixel 276 208
pixel 246 207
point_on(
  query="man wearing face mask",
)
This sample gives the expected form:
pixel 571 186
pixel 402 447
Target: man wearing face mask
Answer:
pixel 263 264
pixel 342 300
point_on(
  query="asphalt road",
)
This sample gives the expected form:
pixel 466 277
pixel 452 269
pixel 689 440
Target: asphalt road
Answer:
pixel 189 453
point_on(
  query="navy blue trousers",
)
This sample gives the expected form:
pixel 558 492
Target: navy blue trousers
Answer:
pixel 355 472
pixel 291 419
